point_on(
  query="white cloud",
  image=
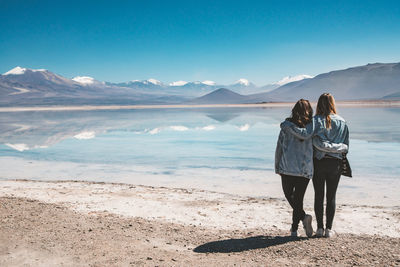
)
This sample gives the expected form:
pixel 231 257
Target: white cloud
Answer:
pixel 85 135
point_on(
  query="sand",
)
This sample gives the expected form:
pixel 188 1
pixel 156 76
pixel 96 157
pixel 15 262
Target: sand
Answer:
pixel 102 224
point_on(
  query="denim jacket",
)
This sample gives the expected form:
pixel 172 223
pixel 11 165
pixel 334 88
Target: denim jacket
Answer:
pixel 338 133
pixel 294 150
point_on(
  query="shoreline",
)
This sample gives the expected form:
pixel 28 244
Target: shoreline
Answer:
pixel 73 223
pixel 211 209
pixel 372 103
pixel 373 190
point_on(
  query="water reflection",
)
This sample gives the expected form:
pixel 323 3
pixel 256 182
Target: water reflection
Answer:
pixel 29 130
pixel 235 138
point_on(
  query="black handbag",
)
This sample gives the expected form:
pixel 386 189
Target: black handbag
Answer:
pixel 346 169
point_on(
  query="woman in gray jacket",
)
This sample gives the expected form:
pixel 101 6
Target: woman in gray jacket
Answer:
pixel 294 160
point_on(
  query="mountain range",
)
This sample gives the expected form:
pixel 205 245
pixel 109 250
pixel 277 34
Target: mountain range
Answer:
pixel 369 82
pixel 23 86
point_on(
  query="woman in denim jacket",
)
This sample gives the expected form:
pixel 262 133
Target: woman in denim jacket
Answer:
pixel 294 161
pixel 329 126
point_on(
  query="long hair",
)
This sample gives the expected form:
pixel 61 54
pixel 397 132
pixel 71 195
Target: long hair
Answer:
pixel 325 107
pixel 302 113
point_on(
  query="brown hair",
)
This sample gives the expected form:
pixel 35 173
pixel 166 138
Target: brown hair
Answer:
pixel 302 113
pixel 325 107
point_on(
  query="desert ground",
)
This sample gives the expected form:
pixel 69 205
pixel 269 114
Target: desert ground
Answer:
pixel 73 223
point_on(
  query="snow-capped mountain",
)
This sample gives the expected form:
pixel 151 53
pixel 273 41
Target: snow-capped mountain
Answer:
pixel 243 86
pixel 24 86
pixel 88 81
pixel 289 79
pixel 141 84
pixel 283 81
pixel 182 83
pixel 183 88
pixel 242 82
pixel 19 71
pixel 371 81
pixel 23 80
pixel 178 83
pixel 152 81
pixel 207 82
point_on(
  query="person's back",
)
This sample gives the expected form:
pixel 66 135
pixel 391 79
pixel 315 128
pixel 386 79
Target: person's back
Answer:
pixel 327 166
pixel 293 156
pixel 337 133
pixel 293 161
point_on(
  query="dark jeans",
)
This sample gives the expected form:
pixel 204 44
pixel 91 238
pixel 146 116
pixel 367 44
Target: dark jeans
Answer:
pixel 294 188
pixel 326 171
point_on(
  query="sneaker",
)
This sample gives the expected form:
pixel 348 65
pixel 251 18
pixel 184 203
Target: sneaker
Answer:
pixel 320 232
pixel 329 233
pixel 307 225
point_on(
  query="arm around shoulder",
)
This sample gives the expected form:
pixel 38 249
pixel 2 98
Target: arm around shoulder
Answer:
pixel 329 147
pixel 301 133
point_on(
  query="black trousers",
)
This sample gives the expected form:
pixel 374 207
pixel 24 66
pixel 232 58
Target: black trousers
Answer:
pixel 326 171
pixel 294 188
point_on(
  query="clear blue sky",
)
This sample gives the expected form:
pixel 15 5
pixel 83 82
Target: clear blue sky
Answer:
pixel 197 40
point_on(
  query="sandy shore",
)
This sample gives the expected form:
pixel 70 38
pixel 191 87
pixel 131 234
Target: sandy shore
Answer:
pixel 101 224
pixel 372 103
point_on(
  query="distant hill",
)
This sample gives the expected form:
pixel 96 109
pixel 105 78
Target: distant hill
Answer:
pixel 369 82
pixel 394 96
pixel 372 81
pixel 220 96
pixel 23 86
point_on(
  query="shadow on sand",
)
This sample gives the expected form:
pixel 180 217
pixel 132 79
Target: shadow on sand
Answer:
pixel 239 245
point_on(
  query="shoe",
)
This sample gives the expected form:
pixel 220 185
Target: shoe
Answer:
pixel 307 225
pixel 320 232
pixel 329 233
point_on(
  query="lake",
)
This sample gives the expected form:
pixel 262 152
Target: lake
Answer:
pixel 224 149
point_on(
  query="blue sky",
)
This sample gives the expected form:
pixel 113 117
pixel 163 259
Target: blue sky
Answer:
pixel 222 41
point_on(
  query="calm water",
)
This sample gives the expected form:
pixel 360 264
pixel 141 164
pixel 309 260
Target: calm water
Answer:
pixel 167 141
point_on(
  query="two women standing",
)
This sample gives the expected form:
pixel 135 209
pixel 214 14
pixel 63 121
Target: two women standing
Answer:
pixel 311 148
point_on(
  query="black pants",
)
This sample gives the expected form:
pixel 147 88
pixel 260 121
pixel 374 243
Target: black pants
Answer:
pixel 294 188
pixel 326 171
